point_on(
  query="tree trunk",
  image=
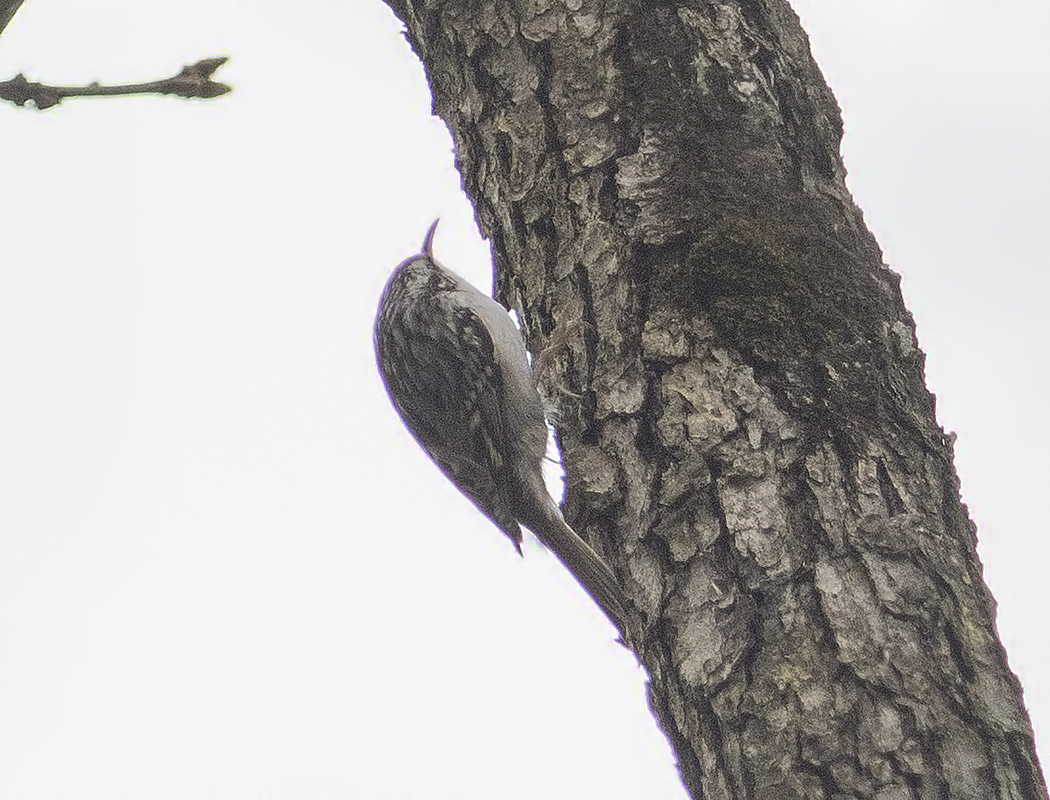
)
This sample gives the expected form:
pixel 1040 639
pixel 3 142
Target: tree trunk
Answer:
pixel 746 431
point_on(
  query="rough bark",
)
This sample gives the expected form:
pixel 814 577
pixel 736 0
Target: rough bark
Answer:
pixel 746 431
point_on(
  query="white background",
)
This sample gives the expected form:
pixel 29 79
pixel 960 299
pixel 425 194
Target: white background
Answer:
pixel 225 569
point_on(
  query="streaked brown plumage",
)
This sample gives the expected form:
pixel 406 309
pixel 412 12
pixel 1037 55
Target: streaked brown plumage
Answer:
pixel 456 370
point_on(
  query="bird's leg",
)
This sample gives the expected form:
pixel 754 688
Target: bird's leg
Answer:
pixel 545 365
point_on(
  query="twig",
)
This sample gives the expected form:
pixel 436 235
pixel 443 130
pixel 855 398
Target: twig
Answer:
pixel 193 81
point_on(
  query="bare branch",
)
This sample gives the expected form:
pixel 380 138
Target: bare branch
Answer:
pixel 193 81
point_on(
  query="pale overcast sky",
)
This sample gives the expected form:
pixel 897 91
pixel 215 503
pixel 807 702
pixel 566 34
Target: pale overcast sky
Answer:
pixel 212 582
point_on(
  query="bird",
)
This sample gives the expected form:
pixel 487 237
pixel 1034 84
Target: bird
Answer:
pixel 455 367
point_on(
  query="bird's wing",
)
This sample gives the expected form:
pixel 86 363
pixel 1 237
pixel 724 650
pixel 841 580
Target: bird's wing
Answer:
pixel 450 400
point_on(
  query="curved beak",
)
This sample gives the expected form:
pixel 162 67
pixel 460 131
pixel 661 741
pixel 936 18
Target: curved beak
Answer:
pixel 428 242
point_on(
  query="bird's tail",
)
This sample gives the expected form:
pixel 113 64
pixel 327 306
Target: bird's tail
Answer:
pixel 586 565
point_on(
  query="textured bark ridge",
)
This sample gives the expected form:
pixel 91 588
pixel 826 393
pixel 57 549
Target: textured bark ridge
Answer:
pixel 743 416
